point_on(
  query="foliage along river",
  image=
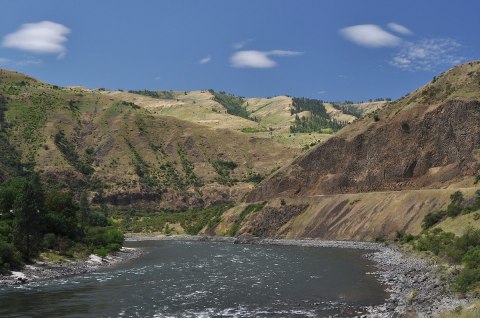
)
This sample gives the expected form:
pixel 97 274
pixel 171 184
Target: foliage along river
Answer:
pixel 209 279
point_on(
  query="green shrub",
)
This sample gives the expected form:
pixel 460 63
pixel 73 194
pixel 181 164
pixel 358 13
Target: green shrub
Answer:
pixel 250 130
pixel 10 258
pixel 224 169
pixel 252 208
pixel 102 251
pixel 49 241
pixel 468 279
pixel 61 215
pixel 435 241
pixel 432 218
pixel 472 258
pixel 97 219
pixel 104 238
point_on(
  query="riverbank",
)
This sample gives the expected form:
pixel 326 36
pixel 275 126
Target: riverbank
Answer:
pixel 43 271
pixel 417 287
pixel 414 283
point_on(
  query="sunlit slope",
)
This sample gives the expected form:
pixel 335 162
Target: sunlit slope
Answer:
pixel 123 151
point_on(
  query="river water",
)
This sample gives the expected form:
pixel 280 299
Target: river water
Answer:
pixel 209 279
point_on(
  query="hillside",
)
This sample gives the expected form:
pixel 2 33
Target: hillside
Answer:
pixel 379 176
pixel 146 149
pixel 263 117
pixel 125 154
pixel 427 139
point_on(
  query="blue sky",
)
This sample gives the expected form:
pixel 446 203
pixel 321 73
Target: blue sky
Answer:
pixel 331 50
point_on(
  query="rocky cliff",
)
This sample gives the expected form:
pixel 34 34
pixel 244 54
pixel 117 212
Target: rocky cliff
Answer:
pixel 427 139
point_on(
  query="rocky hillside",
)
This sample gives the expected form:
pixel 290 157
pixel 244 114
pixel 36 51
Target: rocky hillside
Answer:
pixel 427 139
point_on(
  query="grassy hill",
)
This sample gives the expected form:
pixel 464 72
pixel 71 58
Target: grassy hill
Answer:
pixel 261 117
pixel 161 149
pixel 128 149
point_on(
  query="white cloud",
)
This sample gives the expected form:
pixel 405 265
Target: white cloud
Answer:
pixel 205 60
pixel 258 59
pixel 241 44
pixel 44 37
pixel 428 55
pixel 321 92
pixel 370 35
pixel 399 28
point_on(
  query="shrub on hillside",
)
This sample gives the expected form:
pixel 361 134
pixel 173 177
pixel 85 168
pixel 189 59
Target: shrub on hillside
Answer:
pixel 432 218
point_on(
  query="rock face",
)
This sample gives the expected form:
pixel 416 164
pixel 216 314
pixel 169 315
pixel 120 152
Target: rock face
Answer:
pixel 428 139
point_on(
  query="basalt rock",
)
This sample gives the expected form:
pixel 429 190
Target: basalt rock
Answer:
pixel 428 139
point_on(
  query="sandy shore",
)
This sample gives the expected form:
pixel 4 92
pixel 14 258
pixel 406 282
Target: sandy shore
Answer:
pixel 414 283
pixel 42 271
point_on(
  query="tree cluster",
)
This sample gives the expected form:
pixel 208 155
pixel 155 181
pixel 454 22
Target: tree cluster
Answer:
pixel 319 120
pixel 233 104
pixel 33 220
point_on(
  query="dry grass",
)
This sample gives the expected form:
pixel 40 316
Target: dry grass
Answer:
pixel 471 311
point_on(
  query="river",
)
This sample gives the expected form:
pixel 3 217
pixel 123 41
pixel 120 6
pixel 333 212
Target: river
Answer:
pixel 209 279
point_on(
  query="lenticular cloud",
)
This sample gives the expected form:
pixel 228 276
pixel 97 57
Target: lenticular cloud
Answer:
pixel 44 37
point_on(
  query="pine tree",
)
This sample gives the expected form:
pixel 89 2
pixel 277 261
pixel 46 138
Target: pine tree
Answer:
pixel 29 216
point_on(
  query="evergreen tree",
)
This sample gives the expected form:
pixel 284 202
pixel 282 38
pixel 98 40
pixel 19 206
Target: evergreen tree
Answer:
pixel 29 216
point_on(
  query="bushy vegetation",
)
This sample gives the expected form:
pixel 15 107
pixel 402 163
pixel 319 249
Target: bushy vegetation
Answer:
pixel 254 177
pixel 224 170
pixel 348 109
pixel 250 130
pixel 8 155
pixel 459 250
pixel 188 168
pixel 33 220
pixel 191 221
pixel 155 94
pixel 129 104
pixel 233 104
pixel 319 120
pixel 252 208
pixel 464 250
pixel 456 207
pixel 67 148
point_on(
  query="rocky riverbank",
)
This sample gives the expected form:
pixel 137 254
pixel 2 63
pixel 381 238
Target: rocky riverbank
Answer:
pixel 414 283
pixel 41 271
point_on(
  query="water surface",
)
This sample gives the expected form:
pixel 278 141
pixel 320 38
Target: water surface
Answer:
pixel 209 279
